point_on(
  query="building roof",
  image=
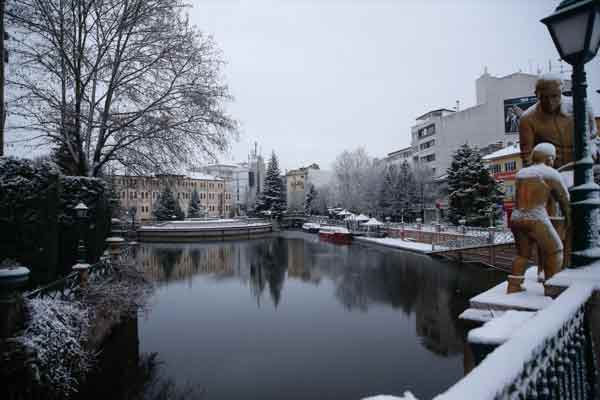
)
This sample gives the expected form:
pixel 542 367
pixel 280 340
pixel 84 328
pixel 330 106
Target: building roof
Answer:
pixel 191 175
pixel 426 115
pixel 201 176
pixel 393 153
pixel 507 151
pixel 221 165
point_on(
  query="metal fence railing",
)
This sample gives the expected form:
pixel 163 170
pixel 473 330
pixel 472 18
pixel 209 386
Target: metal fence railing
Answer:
pixel 66 288
pixel 550 357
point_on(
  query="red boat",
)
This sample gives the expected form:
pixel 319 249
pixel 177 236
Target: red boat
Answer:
pixel 335 234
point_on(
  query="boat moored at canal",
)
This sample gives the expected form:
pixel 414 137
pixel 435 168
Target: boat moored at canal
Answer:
pixel 311 227
pixel 335 234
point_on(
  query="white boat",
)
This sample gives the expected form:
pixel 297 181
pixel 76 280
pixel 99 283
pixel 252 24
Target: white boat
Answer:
pixel 311 227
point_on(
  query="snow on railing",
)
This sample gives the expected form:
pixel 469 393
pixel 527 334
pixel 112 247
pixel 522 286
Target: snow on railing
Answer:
pixel 550 357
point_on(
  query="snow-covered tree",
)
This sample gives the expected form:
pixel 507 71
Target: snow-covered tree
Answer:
pixel 272 197
pixel 323 200
pixel 309 198
pixel 167 207
pixel 398 191
pixel 350 170
pixel 195 209
pixel 131 82
pixel 407 188
pixel 473 193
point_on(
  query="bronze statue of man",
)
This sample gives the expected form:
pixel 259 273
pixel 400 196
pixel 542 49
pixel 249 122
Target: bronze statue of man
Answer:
pixel 550 120
pixel 536 186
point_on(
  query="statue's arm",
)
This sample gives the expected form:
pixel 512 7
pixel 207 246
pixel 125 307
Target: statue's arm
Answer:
pixel 561 194
pixel 526 139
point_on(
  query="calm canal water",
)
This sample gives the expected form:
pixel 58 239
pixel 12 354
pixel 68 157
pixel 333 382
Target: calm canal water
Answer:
pixel 291 317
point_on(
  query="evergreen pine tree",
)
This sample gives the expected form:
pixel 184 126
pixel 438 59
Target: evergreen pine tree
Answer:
pixel 310 196
pixel 271 198
pixel 473 193
pixel 167 206
pixel 195 209
pixel 406 189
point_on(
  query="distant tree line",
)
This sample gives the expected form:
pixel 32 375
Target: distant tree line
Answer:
pixel 366 185
pixel 403 191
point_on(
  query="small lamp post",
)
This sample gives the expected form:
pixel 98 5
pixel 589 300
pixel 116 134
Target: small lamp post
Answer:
pixel 575 31
pixel 81 212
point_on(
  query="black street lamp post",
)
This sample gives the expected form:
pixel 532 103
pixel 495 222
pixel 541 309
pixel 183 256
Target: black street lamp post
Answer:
pixel 575 30
pixel 81 211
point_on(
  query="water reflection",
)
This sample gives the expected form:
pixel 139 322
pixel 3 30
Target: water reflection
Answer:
pixel 352 310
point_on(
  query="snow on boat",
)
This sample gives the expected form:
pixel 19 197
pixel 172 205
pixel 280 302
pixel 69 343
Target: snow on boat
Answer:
pixel 311 227
pixel 335 234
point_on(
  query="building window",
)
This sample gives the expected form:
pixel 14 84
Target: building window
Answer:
pixel 427 144
pixel 510 190
pixel 510 166
pixel 495 168
pixel 428 158
pixel 426 131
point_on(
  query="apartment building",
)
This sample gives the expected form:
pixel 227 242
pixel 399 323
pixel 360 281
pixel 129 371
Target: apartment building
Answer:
pixel 140 193
pixel 399 156
pixel 298 181
pixel 494 118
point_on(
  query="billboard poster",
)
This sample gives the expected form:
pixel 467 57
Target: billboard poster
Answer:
pixel 513 108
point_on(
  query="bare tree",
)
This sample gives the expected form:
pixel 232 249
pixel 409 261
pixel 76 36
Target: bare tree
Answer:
pixel 127 81
pixel 350 170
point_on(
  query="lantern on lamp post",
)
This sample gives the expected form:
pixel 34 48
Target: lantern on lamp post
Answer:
pixel 575 31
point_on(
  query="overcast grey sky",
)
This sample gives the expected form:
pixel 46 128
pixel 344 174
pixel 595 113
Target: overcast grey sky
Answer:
pixel 314 77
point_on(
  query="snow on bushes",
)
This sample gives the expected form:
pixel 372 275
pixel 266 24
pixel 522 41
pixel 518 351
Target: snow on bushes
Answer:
pixel 122 294
pixel 56 334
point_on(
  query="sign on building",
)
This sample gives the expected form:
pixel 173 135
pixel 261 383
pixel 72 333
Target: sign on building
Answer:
pixel 513 109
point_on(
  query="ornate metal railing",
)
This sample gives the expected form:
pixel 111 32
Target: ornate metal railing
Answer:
pixel 550 357
pixel 475 237
pixel 67 287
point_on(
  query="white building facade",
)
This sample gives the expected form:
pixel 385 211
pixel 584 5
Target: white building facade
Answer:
pixel 236 178
pixel 500 102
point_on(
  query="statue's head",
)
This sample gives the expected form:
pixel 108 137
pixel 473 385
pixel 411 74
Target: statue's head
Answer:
pixel 548 89
pixel 543 153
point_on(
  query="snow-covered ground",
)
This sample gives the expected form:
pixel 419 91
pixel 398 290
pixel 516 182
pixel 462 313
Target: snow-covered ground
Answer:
pixel 531 299
pixel 500 329
pixel 398 244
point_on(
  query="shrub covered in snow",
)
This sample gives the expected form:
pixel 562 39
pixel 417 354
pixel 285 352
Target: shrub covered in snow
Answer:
pixel 56 334
pixel 37 216
pixel 121 295
pixel 29 204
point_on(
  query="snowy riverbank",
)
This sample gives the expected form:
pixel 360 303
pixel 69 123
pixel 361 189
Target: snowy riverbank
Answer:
pixel 423 248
